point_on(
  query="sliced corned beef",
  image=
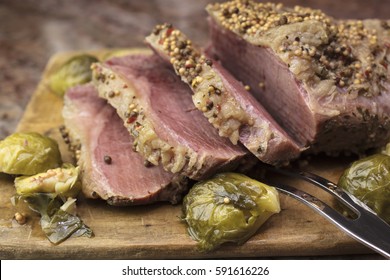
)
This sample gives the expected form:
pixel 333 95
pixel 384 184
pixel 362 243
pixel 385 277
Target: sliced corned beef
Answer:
pixel 111 170
pixel 325 81
pixel 224 101
pixel 157 109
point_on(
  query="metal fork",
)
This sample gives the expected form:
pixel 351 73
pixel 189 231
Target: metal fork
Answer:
pixel 366 227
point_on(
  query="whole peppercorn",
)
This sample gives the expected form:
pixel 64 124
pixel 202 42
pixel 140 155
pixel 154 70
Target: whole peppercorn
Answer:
pixel 107 159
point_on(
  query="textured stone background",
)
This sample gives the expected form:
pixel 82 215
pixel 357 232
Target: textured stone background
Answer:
pixel 31 31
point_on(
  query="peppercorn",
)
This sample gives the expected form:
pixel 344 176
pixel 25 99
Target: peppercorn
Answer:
pixel 107 159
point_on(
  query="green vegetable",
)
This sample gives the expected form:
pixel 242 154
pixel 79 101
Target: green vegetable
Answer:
pixel 75 71
pixel 62 181
pixel 57 221
pixel 28 154
pixel 51 195
pixel 229 207
pixel 368 180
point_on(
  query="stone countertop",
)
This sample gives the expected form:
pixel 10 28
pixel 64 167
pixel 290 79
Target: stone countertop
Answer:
pixel 31 31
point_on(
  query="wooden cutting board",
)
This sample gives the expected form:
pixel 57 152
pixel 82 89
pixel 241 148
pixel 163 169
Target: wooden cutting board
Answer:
pixel 155 231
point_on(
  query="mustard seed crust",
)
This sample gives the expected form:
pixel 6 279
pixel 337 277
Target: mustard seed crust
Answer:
pixel 328 56
pixel 146 141
pixel 196 70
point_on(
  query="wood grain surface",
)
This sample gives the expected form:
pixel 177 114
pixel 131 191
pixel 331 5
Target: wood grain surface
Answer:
pixel 155 231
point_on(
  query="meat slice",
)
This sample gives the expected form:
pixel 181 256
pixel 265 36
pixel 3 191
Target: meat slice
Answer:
pixel 158 112
pixel 224 101
pixel 110 168
pixel 325 81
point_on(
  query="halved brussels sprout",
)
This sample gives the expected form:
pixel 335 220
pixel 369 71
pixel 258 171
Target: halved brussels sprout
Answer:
pixel 63 181
pixel 368 180
pixel 28 154
pixel 229 207
pixel 51 194
pixel 76 71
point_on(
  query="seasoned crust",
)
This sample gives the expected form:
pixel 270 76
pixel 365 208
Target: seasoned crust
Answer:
pixel 90 124
pixel 310 71
pixel 129 85
pixel 328 56
pixel 224 101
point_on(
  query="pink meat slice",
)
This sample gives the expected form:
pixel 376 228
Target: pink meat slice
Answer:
pixel 123 179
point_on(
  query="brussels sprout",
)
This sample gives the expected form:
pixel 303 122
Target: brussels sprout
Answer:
pixel 28 154
pixel 76 71
pixel 63 225
pixel 62 181
pixel 229 207
pixel 58 220
pixel 368 180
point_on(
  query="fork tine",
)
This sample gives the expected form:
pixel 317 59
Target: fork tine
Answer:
pixel 367 228
pixel 321 182
pixel 352 202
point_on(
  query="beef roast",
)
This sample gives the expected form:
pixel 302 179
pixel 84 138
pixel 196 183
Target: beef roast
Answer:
pixel 325 81
pixel 157 110
pixel 110 168
pixel 223 100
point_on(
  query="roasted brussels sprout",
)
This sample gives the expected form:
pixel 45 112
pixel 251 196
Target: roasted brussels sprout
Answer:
pixel 28 154
pixel 368 180
pixel 62 181
pixel 75 71
pixel 229 207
